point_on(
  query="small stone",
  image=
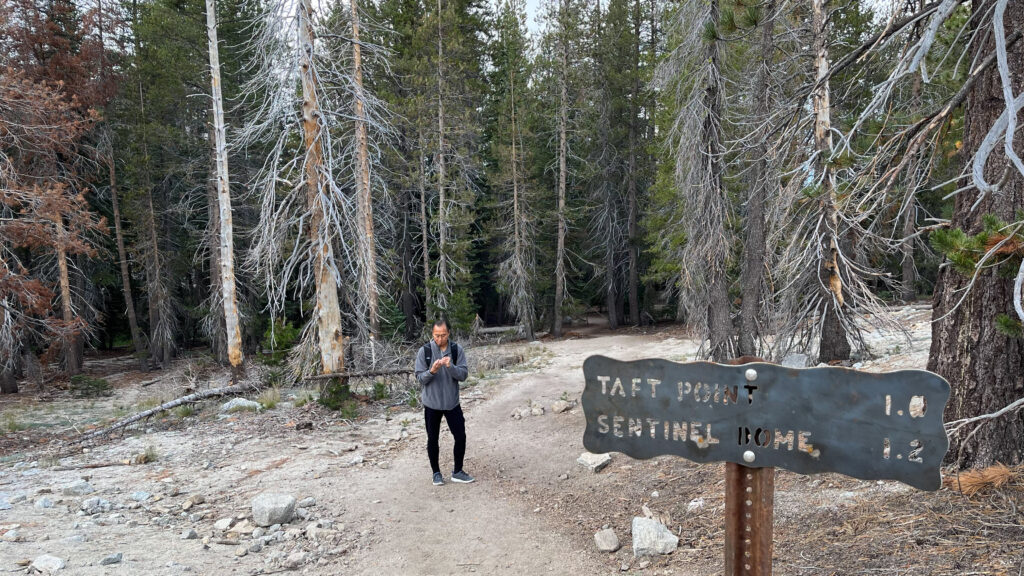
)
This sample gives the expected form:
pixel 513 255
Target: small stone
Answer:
pixel 293 534
pixel 13 536
pixel 537 411
pixel 595 462
pixel 141 496
pixel 274 528
pixel 625 566
pixel 302 513
pixel 244 527
pixel 18 499
pixel 43 502
pixel 47 564
pixel 256 547
pixel 189 534
pixel 77 488
pixel 643 564
pixel 223 524
pixel 356 460
pixel 655 494
pixel 560 406
pixel 269 509
pixel 258 532
pixel 112 559
pixel 695 504
pixel 241 551
pixel 95 505
pixel 606 540
pixel 307 502
pixel 563 477
pixel 651 538
pixel 294 560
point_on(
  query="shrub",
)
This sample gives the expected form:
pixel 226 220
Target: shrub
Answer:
pixel 83 386
pixel 277 340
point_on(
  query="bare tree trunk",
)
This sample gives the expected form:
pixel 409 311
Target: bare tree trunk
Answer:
pixel 226 244
pixel 984 366
pixel 364 193
pixel 754 249
pixel 425 230
pixel 834 343
pixel 442 208
pixel 122 256
pixel 72 358
pixel 218 330
pixel 327 311
pixel 408 297
pixel 563 120
pixel 632 241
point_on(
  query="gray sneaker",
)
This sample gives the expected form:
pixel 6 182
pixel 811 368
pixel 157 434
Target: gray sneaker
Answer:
pixel 462 478
pixel 438 479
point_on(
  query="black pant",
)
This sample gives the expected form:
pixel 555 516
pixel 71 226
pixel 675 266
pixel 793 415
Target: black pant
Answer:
pixel 457 425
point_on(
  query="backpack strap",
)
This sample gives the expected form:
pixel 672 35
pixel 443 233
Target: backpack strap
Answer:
pixel 428 354
pixel 455 353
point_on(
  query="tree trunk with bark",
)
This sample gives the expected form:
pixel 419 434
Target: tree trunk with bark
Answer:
pixel 984 366
pixel 719 319
pixel 632 239
pixel 563 120
pixel 834 343
pixel 754 249
pixel 72 358
pixel 122 256
pixel 326 311
pixel 425 233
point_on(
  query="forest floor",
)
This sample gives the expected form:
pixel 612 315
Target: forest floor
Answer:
pixel 370 507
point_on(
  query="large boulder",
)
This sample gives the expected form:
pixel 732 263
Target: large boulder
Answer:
pixel 651 538
pixel 270 509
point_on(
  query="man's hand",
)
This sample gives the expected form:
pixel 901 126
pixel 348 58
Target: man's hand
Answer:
pixel 447 361
pixel 437 365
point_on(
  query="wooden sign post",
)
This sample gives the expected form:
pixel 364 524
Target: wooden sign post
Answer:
pixel 756 417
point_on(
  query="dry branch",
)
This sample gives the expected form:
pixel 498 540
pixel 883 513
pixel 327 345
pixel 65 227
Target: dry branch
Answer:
pixel 189 399
pixel 369 374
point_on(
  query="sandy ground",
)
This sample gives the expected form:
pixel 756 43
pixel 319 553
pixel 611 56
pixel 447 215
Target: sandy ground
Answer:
pixel 533 509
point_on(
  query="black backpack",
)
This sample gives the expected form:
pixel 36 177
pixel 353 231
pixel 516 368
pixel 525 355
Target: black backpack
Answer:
pixel 428 354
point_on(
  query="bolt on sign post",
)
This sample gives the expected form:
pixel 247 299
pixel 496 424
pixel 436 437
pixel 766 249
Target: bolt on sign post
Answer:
pixel 756 417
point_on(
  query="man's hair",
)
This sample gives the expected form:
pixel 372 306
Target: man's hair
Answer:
pixel 441 322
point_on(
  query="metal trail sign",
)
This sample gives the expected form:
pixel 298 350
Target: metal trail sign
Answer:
pixel 759 416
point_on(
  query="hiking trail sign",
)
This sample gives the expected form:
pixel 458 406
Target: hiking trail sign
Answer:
pixel 759 416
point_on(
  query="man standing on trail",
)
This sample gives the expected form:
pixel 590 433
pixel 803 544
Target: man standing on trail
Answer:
pixel 440 366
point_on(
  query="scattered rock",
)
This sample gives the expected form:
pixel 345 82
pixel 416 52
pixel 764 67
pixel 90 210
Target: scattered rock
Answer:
pixel 560 406
pixel 240 404
pixel 537 411
pixel 112 559
pixel 223 524
pixel 189 534
pixel 643 564
pixel 294 560
pixel 302 513
pixel 606 540
pixel 243 527
pixel 307 502
pixel 47 564
pixel 625 566
pixel 293 534
pixel 43 502
pixel 563 477
pixel 193 500
pixel 795 361
pixel 596 462
pixel 258 532
pixel 695 504
pixel 78 488
pixel 18 499
pixel 5 503
pixel 356 460
pixel 256 547
pixel 13 536
pixel 241 550
pixel 95 505
pixel 651 537
pixel 269 509
pixel 141 496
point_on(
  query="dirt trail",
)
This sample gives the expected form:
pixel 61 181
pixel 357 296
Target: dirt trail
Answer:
pixel 530 511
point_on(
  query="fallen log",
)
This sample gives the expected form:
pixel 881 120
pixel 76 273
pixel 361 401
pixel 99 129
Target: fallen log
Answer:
pixel 358 374
pixel 189 399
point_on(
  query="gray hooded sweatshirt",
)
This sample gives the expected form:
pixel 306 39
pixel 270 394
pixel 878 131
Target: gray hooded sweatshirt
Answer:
pixel 440 391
